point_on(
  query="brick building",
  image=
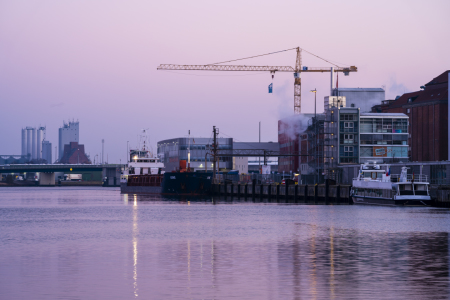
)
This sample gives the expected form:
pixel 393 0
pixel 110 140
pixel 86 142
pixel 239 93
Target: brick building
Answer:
pixel 290 133
pixel 428 119
pixel 74 154
pixel 288 139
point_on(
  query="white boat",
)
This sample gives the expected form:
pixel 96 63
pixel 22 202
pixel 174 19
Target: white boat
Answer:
pixel 142 162
pixel 375 185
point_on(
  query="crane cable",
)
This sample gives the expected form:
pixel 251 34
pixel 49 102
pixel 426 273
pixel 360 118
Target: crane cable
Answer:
pixel 251 57
pixel 320 58
pixel 274 53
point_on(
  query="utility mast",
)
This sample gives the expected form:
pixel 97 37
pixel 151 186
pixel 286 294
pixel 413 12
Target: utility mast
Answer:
pixel 215 157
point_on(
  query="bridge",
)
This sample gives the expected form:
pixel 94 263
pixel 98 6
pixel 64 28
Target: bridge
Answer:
pixel 47 171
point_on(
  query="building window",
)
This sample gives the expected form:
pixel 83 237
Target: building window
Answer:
pixel 348 117
pixel 348 151
pixel 348 124
pixel 408 110
pixel 348 138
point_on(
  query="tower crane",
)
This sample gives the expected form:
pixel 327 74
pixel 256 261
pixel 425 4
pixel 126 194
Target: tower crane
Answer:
pixel 272 69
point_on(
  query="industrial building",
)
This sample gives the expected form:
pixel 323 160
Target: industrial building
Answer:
pixel 74 154
pixel 47 151
pixel 342 135
pixel 14 159
pixel 362 98
pixel 69 132
pixel 428 119
pixel 172 151
pixel 353 137
pixel 254 163
pixel 32 139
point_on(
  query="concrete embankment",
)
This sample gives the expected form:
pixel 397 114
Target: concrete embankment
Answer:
pixel 62 183
pixel 315 194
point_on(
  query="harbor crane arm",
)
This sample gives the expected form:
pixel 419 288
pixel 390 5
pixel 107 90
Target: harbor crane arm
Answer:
pixel 247 68
pixel 296 70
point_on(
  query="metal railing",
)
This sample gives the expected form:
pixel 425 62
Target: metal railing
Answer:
pixel 396 178
pixel 248 178
pixel 410 178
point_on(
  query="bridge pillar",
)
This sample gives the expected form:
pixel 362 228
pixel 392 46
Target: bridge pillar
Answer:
pixel 46 178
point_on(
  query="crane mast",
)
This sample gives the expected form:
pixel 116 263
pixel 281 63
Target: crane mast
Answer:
pixel 298 83
pixel 297 70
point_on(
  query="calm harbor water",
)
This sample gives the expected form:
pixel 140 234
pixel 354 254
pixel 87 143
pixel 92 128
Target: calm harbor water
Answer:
pixel 94 243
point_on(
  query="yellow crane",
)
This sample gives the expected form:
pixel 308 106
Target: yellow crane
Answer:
pixel 272 69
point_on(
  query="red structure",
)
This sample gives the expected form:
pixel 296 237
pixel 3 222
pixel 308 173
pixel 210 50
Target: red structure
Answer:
pixel 74 154
pixel 292 137
pixel 288 139
pixel 428 119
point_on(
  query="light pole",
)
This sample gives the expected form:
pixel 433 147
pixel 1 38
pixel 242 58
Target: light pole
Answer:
pixel 128 152
pixel 316 128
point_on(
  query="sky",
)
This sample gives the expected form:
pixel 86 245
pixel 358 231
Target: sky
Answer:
pixel 96 61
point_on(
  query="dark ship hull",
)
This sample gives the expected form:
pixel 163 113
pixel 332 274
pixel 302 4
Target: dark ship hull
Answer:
pixel 174 183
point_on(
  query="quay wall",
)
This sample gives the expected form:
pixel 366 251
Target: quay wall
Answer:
pixel 440 194
pixel 314 194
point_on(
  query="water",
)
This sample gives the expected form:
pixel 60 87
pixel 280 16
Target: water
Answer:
pixel 94 243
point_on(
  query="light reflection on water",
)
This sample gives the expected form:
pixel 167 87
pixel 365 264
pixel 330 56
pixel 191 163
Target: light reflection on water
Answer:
pixel 93 243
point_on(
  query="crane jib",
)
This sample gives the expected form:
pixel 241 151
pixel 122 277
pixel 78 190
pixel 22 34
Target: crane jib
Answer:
pixel 249 68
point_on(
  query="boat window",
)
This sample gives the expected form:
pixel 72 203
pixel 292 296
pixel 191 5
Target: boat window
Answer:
pixel 403 187
pixel 376 175
pixel 420 187
pixel 406 189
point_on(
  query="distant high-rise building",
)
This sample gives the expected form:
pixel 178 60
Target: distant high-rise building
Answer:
pixel 47 151
pixel 29 141
pixel 39 141
pixel 24 141
pixel 33 144
pixel 67 134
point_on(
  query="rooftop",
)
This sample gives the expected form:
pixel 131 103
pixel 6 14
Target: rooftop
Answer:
pixel 435 90
pixel 383 115
pixel 360 89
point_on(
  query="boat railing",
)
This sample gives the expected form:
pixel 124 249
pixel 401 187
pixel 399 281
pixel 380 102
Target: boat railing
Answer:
pixel 409 178
pixel 396 178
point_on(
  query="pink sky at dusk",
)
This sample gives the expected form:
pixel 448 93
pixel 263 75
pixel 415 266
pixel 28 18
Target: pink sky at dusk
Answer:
pixel 96 61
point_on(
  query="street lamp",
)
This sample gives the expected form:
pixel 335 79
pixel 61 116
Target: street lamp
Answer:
pixel 128 152
pixel 316 127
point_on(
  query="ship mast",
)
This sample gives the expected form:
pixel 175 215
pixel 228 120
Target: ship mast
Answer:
pixel 189 151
